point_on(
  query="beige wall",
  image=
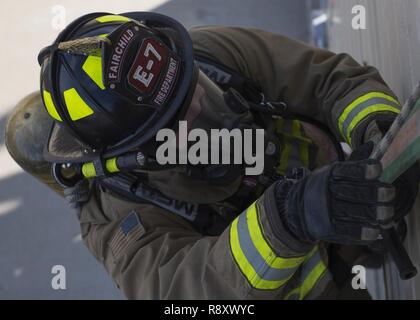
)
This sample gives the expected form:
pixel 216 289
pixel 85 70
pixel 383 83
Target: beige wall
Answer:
pixel 391 42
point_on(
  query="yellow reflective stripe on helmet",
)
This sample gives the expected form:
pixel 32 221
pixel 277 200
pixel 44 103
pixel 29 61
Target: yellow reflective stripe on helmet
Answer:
pixel 112 18
pixel 88 169
pixel 382 101
pixel 93 68
pixel 77 108
pixel 49 104
pixel 255 258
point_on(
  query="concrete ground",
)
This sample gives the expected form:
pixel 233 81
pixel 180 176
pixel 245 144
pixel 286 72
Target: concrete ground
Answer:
pixel 37 231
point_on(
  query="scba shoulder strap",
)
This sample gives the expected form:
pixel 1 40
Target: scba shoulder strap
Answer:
pixel 228 78
pixel 131 187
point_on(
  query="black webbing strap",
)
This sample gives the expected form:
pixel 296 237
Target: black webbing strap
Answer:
pixel 202 217
pixel 228 78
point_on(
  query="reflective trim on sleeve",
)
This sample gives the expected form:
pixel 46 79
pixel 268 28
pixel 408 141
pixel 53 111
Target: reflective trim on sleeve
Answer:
pixel 313 271
pixel 313 274
pixel 254 256
pixel 362 107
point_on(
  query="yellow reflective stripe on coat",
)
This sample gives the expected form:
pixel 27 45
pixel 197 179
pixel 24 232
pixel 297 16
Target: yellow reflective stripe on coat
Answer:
pixel 49 104
pixel 285 152
pixel 313 271
pixel 255 257
pixel 76 106
pixel 362 107
pixel 295 146
pixel 303 145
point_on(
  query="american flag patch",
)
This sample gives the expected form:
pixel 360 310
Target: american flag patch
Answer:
pixel 129 231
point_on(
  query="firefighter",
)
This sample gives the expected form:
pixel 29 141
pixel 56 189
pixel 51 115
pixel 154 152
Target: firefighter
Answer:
pixel 109 83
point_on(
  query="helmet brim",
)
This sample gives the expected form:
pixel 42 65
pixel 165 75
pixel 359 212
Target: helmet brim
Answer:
pixel 62 147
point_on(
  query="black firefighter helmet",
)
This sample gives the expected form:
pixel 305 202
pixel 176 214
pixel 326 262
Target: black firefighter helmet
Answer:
pixel 112 81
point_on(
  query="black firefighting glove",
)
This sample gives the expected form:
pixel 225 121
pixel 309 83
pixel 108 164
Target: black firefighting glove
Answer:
pixel 78 195
pixel 406 186
pixel 342 203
